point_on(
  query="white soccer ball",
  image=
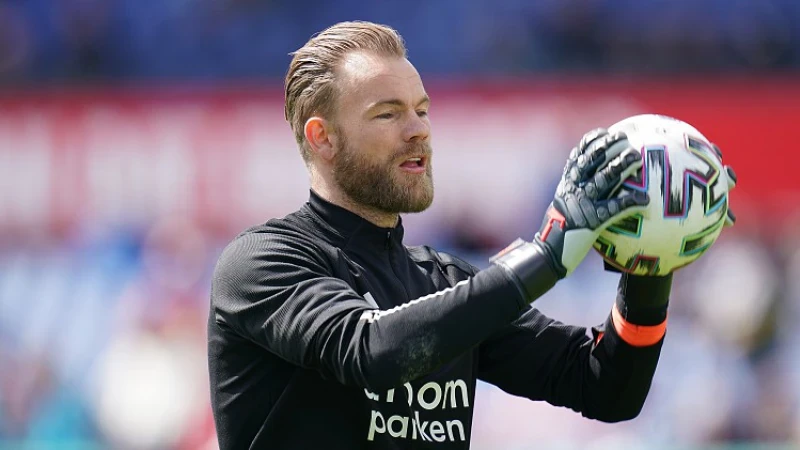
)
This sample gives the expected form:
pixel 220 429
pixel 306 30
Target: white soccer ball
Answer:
pixel 688 189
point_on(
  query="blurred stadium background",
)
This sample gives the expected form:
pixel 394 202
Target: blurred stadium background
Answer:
pixel 138 137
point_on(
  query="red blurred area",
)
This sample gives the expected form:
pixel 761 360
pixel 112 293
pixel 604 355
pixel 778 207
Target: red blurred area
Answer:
pixel 751 119
pixel 224 156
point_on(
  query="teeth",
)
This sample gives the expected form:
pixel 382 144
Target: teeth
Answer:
pixel 415 159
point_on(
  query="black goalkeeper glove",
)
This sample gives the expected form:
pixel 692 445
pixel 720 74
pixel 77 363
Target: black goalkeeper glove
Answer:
pixel 731 219
pixel 583 206
pixel 585 201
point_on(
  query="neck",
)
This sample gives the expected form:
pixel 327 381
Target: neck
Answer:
pixel 339 198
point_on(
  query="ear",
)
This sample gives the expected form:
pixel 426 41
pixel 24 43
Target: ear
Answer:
pixel 320 137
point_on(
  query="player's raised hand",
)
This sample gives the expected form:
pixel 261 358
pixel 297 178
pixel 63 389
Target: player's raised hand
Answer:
pixel 731 219
pixel 585 202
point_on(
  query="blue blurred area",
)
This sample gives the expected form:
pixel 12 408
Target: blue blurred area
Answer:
pixel 42 41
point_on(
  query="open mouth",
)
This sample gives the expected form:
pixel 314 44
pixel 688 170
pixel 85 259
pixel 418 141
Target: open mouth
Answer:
pixel 414 164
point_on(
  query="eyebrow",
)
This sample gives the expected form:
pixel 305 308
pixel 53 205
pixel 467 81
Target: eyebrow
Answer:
pixel 397 102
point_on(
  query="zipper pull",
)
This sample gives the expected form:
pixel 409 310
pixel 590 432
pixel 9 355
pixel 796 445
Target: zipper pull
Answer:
pixel 388 239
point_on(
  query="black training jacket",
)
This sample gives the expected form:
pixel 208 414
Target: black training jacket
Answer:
pixel 326 332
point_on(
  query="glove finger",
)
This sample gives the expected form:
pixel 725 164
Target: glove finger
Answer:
pixel 730 220
pixel 588 138
pixel 632 200
pixel 717 150
pixel 594 155
pixel 591 213
pixel 623 206
pixel 604 153
pixel 731 177
pixel 574 170
pixel 573 210
pixel 610 178
pixel 585 155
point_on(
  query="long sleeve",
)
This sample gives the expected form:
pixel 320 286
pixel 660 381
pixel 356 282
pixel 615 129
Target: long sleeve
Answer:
pixel 279 293
pixel 606 377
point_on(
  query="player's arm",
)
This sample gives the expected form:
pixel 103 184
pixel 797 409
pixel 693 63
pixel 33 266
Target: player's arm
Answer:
pixel 280 294
pixel 606 376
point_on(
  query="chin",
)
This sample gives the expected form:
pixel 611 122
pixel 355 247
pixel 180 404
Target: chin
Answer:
pixel 420 203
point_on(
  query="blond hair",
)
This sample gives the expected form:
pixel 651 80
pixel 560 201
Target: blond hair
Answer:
pixel 309 84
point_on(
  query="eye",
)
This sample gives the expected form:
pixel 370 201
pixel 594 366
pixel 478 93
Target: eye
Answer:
pixel 387 115
pixel 422 113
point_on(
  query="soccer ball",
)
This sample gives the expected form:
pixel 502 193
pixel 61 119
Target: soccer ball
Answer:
pixel 688 190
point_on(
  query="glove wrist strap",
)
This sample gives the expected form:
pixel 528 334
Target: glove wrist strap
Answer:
pixel 530 267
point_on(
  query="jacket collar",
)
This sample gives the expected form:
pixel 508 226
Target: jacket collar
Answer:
pixel 352 229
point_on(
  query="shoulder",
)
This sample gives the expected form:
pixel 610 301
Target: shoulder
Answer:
pixel 448 262
pixel 270 236
pixel 287 240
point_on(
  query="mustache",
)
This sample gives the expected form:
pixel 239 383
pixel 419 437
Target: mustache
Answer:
pixel 416 149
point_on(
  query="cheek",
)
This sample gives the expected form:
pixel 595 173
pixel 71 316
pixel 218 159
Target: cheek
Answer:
pixel 380 146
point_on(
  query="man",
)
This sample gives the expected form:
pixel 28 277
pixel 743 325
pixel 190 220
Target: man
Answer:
pixel 326 332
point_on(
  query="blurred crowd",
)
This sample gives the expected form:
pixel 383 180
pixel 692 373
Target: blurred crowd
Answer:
pixel 46 41
pixel 102 330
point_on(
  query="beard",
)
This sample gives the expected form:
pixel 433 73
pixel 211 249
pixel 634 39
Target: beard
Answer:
pixel 380 185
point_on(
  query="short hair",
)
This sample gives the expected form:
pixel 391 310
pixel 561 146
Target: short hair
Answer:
pixel 309 84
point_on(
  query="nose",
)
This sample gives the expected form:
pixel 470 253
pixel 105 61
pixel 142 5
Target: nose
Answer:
pixel 417 128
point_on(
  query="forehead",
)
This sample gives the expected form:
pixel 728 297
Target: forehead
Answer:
pixel 365 78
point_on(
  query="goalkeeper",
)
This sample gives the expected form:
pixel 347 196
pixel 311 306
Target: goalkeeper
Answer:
pixel 327 332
